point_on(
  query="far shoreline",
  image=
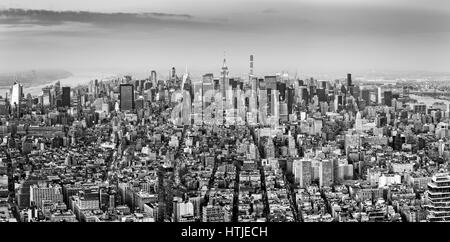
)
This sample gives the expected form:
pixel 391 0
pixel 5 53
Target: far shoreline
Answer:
pixel 35 89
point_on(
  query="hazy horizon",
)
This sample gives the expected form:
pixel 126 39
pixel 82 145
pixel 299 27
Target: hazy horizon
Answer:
pixel 306 36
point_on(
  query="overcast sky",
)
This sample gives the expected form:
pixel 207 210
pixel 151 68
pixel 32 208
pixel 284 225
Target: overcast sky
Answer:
pixel 302 35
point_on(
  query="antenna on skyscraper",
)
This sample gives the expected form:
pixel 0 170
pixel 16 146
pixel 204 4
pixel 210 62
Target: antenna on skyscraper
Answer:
pixel 224 59
pixel 251 65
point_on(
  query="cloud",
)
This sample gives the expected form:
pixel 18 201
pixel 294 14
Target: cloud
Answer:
pixel 305 35
pixel 170 15
pixel 51 18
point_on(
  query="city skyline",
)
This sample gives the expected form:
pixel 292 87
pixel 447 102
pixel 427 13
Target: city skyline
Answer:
pixel 237 111
pixel 232 142
pixel 294 36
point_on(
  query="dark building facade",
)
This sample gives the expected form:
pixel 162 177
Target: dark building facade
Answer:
pixel 126 97
pixel 290 99
pixel 65 97
pixel 365 93
pixel 388 98
pixel 322 95
pixel 349 80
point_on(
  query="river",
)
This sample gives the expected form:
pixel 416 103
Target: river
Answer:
pixel 428 100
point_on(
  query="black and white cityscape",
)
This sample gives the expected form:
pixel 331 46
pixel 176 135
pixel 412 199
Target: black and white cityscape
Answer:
pixel 233 111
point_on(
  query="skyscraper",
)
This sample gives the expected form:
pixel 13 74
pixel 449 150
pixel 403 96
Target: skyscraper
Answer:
pixel 302 172
pixel 274 107
pixel 271 83
pixel 321 94
pixel 224 88
pixel 349 80
pixel 153 78
pixel 66 96
pixel 326 173
pixel 438 198
pixel 290 100
pixel 46 96
pixel 304 94
pixel 126 97
pixel 186 108
pixel 224 78
pixel 207 98
pixel 379 97
pixel 197 102
pixel 57 87
pixel 173 73
pixel 388 98
pixel 366 96
pixel 262 116
pixel 281 87
pixel 358 122
pixel 16 96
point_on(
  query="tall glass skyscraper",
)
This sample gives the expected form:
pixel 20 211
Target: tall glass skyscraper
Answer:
pixel 66 96
pixel 126 97
pixel 16 94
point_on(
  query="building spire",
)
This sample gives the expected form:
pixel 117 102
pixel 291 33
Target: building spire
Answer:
pixel 224 61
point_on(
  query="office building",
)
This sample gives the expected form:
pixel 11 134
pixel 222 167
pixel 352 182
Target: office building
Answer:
pixel 365 96
pixel 65 97
pixel 16 97
pixel 388 98
pixel 213 214
pixel 420 108
pixel 438 198
pixel 302 172
pixel 326 172
pixel 126 97
pixel 39 194
pixel 379 96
